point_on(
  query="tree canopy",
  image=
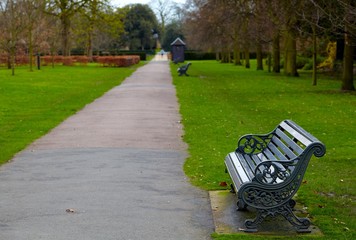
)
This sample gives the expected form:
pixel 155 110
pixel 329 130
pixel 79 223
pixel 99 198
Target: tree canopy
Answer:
pixel 284 28
pixel 140 26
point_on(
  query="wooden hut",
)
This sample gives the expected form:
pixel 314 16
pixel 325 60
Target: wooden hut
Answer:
pixel 178 47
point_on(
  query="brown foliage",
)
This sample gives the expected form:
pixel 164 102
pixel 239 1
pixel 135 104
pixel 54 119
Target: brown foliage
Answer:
pixel 118 61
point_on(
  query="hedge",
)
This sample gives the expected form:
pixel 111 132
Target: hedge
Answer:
pixel 197 55
pixel 112 61
pixel 117 61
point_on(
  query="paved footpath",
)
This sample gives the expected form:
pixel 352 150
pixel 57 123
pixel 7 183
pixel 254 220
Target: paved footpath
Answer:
pixel 111 171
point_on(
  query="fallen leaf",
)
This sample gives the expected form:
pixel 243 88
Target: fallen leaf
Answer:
pixel 70 210
pixel 223 184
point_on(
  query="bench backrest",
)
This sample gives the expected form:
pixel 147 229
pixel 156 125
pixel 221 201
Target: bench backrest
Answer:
pixel 186 66
pixel 290 142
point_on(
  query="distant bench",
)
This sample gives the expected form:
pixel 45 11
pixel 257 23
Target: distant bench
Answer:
pixel 183 69
pixel 267 170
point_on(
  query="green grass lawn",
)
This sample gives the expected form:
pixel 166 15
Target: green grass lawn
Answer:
pixel 32 103
pixel 221 102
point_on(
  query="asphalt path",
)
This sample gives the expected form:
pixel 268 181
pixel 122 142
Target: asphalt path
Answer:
pixel 111 171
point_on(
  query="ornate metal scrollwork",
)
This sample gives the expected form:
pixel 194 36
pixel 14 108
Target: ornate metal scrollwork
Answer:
pixel 260 197
pixel 301 224
pixel 274 165
pixel 253 144
pixel 273 171
pixel 319 149
pixel 272 201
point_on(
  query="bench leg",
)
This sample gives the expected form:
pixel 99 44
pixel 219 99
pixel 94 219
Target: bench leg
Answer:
pixel 251 224
pixel 182 72
pixel 241 205
pixel 232 189
pixel 301 224
pixel 292 203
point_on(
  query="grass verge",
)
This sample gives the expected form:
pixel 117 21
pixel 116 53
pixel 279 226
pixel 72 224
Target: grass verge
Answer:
pixel 32 103
pixel 221 102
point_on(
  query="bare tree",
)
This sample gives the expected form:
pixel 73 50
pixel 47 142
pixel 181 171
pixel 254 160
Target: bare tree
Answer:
pixel 65 10
pixel 12 25
pixel 92 13
pixel 310 18
pixel 49 43
pixel 208 26
pixel 163 9
pixel 341 15
pixel 33 10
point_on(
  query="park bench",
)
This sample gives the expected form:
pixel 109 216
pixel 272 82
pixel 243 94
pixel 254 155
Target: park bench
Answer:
pixel 267 170
pixel 183 69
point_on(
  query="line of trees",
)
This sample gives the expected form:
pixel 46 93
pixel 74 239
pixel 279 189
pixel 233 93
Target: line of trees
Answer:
pixel 278 27
pixel 282 28
pixel 30 27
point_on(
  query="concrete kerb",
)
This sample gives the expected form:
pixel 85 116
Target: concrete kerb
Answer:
pixel 228 220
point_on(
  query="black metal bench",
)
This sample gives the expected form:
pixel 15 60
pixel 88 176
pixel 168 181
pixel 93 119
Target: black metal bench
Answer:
pixel 267 170
pixel 183 69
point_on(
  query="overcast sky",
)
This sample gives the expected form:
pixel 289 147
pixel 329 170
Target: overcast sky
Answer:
pixel 121 3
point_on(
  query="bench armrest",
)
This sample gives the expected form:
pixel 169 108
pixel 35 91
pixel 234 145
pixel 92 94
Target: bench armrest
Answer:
pixel 253 144
pixel 270 172
pixel 275 171
pixel 265 197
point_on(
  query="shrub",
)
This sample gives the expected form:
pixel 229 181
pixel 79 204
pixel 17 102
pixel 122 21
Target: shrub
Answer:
pixel 118 61
pixel 82 60
pixel 197 55
pixel 47 60
pixel 22 60
pixel 68 61
pixel 141 54
pixel 301 61
pixel 111 61
pixel 309 64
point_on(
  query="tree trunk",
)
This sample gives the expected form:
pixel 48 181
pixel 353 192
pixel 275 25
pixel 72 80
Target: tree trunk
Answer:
pixel 237 53
pixel 52 55
pixel 290 57
pixel 347 78
pixel 8 60
pixel 269 62
pixel 30 49
pixel 13 59
pixel 90 46
pixel 314 57
pixel 65 35
pixel 225 55
pixel 276 54
pixel 217 56
pixel 259 56
pixel 247 57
